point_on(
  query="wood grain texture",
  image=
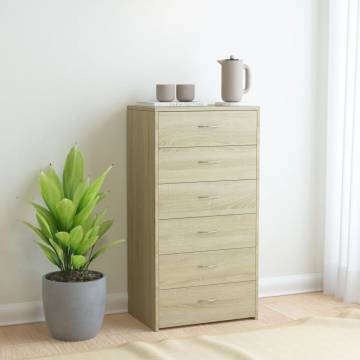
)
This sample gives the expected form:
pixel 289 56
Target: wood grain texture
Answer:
pixel 207 164
pixel 156 325
pixel 257 207
pixel 206 268
pixel 207 199
pixel 207 233
pixel 213 128
pixel 207 108
pixel 142 254
pixel 192 190
pixel 203 304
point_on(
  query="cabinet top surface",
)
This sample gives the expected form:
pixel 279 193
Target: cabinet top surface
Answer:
pixel 193 108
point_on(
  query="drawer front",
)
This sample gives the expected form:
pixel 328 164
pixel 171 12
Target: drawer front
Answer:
pixel 207 164
pixel 207 199
pixel 204 304
pixel 206 268
pixel 207 233
pixel 207 128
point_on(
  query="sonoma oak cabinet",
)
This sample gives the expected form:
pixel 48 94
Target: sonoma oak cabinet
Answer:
pixel 192 214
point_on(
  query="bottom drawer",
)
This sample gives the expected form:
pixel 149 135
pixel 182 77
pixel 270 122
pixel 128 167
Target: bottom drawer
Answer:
pixel 201 304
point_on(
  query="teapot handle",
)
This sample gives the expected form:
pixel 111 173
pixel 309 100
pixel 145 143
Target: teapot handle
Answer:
pixel 247 78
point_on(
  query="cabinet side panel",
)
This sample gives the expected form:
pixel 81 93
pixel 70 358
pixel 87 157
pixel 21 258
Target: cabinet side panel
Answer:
pixel 257 210
pixel 141 215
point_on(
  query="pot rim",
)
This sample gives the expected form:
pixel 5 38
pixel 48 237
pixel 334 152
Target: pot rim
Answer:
pixel 44 277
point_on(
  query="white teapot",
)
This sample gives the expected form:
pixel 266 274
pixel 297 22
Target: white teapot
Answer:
pixel 232 79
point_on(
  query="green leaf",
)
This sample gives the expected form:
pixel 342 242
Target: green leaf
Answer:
pixel 65 213
pixel 99 217
pixel 50 254
pixel 93 190
pixel 91 232
pixel 44 226
pixel 104 227
pixel 78 261
pixel 83 215
pixel 59 252
pixel 49 191
pixel 51 173
pixel 64 239
pixel 76 236
pixel 79 192
pixel 85 246
pixel 37 231
pixel 89 240
pixel 101 196
pixel 73 171
pixel 94 230
pixel 103 249
pixel 88 223
pixel 46 214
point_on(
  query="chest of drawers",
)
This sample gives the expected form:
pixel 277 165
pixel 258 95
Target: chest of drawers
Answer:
pixel 192 214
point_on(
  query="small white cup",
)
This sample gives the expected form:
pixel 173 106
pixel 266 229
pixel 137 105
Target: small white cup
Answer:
pixel 185 92
pixel 165 92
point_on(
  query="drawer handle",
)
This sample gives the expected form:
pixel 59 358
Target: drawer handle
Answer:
pixel 207 126
pixel 206 301
pixel 207 162
pixel 207 197
pixel 209 232
pixel 207 267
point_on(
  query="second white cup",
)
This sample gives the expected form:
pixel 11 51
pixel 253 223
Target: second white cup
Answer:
pixel 165 92
pixel 185 92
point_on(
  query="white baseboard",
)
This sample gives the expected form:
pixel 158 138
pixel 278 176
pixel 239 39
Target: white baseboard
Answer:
pixel 27 312
pixel 292 284
pixel 20 313
pixel 117 303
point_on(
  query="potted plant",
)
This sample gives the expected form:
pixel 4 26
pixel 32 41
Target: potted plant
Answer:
pixel 74 297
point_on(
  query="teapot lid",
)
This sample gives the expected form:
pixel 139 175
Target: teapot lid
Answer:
pixel 232 57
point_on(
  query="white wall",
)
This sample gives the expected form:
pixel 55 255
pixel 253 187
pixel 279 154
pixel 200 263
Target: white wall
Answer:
pixel 69 68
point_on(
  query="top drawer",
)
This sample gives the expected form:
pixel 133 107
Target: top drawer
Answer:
pixel 208 128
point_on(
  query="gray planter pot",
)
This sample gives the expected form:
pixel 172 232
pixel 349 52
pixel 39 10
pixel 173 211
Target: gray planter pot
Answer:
pixel 74 311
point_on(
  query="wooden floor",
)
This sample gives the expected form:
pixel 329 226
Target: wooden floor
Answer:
pixel 32 340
